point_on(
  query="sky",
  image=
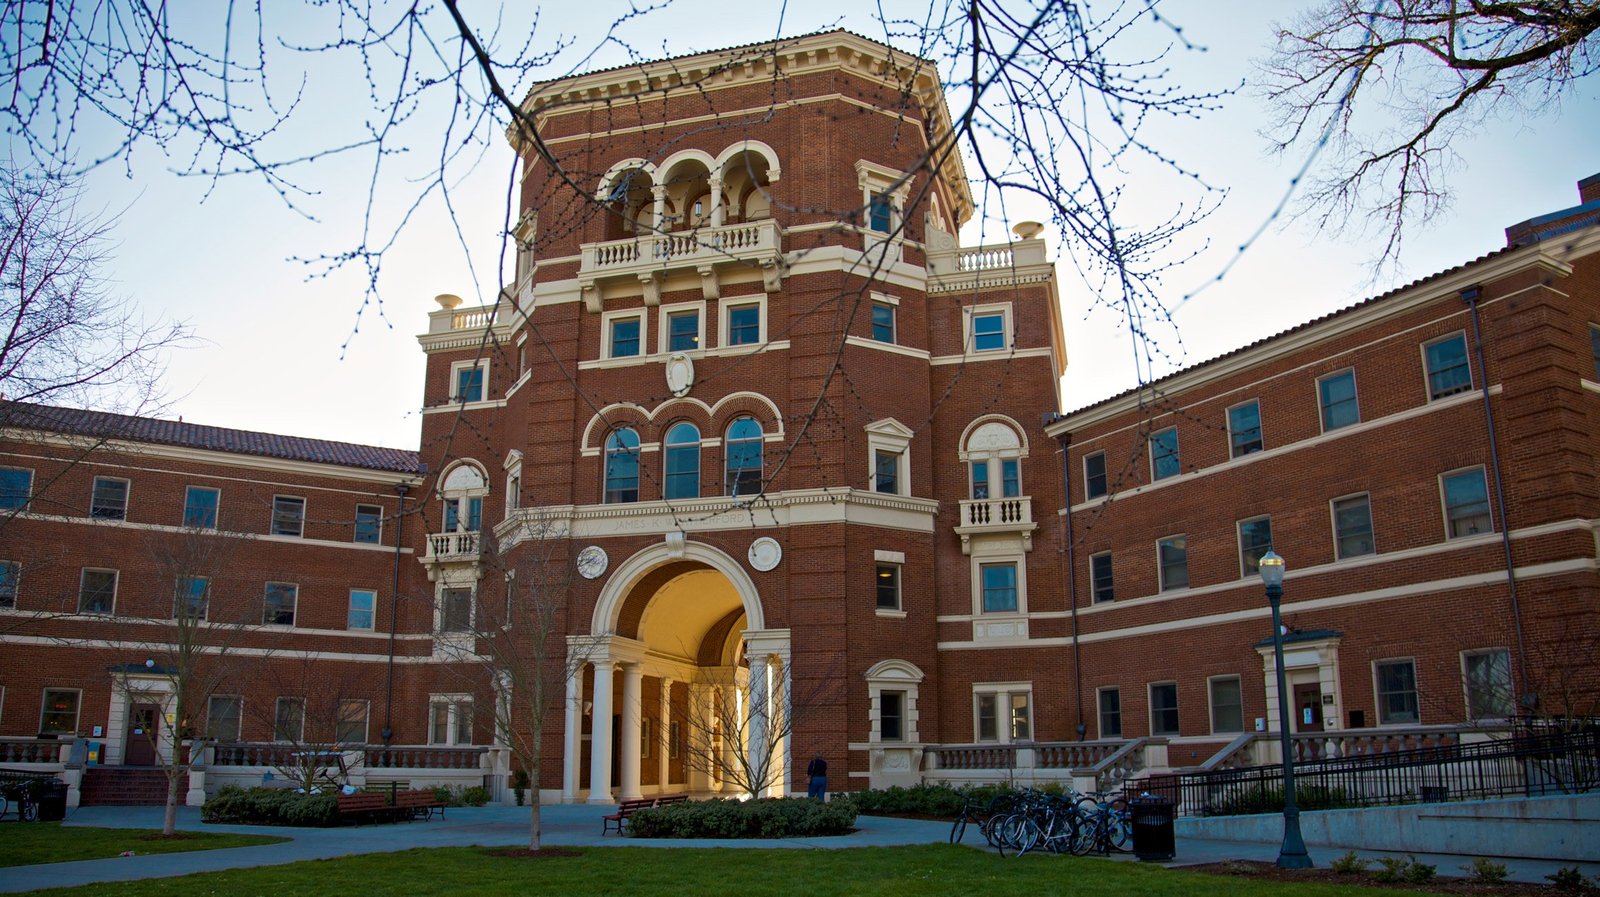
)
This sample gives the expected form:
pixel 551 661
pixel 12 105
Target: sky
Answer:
pixel 279 349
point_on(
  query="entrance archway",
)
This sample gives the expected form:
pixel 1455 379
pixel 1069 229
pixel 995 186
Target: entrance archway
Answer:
pixel 700 706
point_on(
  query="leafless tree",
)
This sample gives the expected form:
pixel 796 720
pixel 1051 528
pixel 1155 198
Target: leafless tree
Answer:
pixel 316 719
pixel 514 639
pixel 1393 88
pixel 194 654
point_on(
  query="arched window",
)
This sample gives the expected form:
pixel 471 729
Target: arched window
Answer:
pixel 683 461
pixel 742 447
pixel 462 493
pixel 994 454
pixel 622 466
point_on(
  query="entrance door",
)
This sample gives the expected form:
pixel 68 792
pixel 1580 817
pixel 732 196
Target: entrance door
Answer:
pixel 140 745
pixel 1308 707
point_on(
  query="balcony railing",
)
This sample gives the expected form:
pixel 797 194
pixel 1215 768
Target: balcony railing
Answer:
pixel 980 516
pixel 456 546
pixel 994 265
pixel 753 242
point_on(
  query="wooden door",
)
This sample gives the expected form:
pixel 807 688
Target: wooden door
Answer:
pixel 140 746
pixel 1308 707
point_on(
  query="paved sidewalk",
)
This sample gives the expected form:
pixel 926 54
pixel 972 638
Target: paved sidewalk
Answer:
pixel 564 826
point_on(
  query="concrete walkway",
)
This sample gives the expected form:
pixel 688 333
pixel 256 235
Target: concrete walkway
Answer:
pixel 564 826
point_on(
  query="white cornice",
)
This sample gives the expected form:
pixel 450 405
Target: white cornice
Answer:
pixel 231 459
pixel 1532 258
pixel 249 537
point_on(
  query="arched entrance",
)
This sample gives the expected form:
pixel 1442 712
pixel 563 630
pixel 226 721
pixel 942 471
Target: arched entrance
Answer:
pixel 678 687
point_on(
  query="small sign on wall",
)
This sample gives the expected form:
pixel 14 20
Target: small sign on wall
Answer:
pixel 99 731
pixel 1261 724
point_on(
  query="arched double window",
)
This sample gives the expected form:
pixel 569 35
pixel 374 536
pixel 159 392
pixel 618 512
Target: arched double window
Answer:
pixel 994 456
pixel 742 448
pixel 683 461
pixel 462 493
pixel 622 466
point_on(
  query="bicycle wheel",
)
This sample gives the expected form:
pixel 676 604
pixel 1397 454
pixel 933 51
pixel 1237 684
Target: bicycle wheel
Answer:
pixel 27 810
pixel 958 829
pixel 1119 827
pixel 1027 834
pixel 991 828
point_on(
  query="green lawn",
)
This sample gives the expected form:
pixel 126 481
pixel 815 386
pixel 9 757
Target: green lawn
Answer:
pixel 28 843
pixel 659 872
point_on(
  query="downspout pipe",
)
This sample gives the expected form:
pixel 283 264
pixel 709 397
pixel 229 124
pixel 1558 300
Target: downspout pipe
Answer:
pixel 394 605
pixel 1470 295
pixel 1065 439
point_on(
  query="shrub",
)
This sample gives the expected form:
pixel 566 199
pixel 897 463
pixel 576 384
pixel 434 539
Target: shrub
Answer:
pixel 922 800
pixel 270 806
pixel 1420 873
pixel 1567 878
pixel 1264 799
pixel 1391 869
pixel 783 817
pixel 519 785
pixel 1350 864
pixel 476 796
pixel 1485 870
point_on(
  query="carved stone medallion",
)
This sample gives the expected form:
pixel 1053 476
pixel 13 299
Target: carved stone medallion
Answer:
pixel 765 553
pixel 592 562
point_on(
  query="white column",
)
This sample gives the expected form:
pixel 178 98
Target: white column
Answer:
pixel 715 183
pixel 663 744
pixel 758 715
pixel 571 737
pixel 600 740
pixel 660 193
pixel 697 729
pixel 782 787
pixel 632 728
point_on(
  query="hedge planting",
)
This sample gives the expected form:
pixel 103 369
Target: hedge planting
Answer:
pixel 940 801
pixel 270 806
pixel 778 817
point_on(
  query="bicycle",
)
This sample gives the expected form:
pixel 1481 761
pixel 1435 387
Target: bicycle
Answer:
pixel 1105 825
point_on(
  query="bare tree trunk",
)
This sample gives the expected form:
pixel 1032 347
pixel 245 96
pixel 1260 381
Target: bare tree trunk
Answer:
pixel 535 824
pixel 169 820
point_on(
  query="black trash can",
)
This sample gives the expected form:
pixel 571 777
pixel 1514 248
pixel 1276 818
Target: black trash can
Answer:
pixel 52 798
pixel 1153 835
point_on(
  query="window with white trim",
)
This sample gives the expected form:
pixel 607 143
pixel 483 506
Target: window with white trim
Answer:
pixel 97 591
pixel 681 457
pixel 192 598
pixel 1164 459
pixel 1396 684
pixel 889 456
pixel 350 729
pixel 883 319
pixel 624 334
pixel 884 192
pixel 682 327
pixel 109 500
pixel 1448 369
pixel 743 322
pixel 363 610
pixel 16 488
pixel 887 586
pixel 1108 702
pixel 1172 562
pixel 289 720
pixel 369 524
pixel 461 496
pixel 278 603
pixel 743 456
pixel 1466 503
pixel 469 381
pixel 1227 704
pixel 288 515
pixel 1164 718
pixel 1336 394
pixel 1487 676
pixel 450 719
pixel 1255 540
pixel 1352 527
pixel 999 583
pixel 1244 429
pixel 994 451
pixel 892 687
pixel 455 610
pixel 224 717
pixel 892 716
pixel 10 576
pixel 988 328
pixel 58 713
pixel 1002 712
pixel 1102 585
pixel 1094 475
pixel 200 507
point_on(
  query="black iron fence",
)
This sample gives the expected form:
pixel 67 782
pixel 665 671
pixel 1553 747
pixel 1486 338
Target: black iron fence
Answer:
pixel 1533 761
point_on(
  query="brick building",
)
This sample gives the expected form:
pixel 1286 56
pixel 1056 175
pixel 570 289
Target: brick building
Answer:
pixel 1425 461
pixel 761 443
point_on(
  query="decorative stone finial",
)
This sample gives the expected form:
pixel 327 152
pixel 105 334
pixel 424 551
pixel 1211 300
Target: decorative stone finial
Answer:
pixel 447 301
pixel 1027 230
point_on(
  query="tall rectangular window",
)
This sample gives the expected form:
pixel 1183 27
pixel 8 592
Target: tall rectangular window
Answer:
pixel 97 592
pixel 624 337
pixel 200 507
pixel 888 586
pixel 363 609
pixel 1164 708
pixel 278 604
pixel 1100 577
pixel 880 213
pixel 1352 527
pixel 352 723
pixel 1255 540
pixel 1448 369
pixel 288 516
pixel 1244 429
pixel 59 713
pixel 883 322
pixel 1003 713
pixel 289 719
pixel 1094 475
pixel 469 383
pixel 450 720
pixel 1488 679
pixel 988 718
pixel 744 325
pixel 892 716
pixel 110 499
pixel 999 588
pixel 1110 706
pixel 369 524
pixel 1227 705
pixel 988 331
pixel 1164 461
pixel 224 717
pixel 980 480
pixel 1172 557
pixel 886 472
pixel 16 487
pixel 683 331
pixel 10 574
pixel 193 594
pixel 1021 718
pixel 1397 692
pixel 1010 478
pixel 1594 348
pixel 1336 393
pixel 1466 503
pixel 455 610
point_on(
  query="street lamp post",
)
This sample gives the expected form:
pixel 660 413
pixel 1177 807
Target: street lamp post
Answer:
pixel 1292 855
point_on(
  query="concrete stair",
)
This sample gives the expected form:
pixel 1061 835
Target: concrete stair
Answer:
pixel 123 786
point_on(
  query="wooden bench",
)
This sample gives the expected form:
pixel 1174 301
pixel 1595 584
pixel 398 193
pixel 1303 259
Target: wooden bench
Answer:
pixel 670 799
pixel 365 807
pixel 419 803
pixel 624 810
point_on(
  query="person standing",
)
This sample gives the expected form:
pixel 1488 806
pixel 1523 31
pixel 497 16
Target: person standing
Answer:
pixel 817 776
